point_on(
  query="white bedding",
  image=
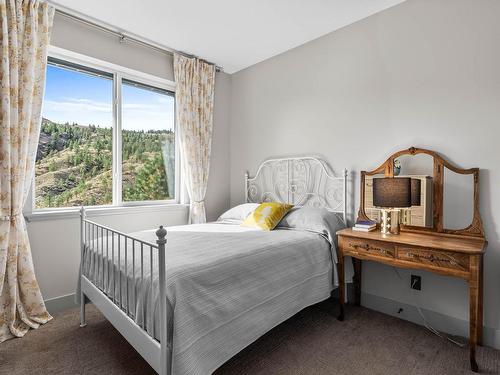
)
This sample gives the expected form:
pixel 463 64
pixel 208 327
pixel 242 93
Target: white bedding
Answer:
pixel 226 286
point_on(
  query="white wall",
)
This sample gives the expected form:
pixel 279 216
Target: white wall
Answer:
pixel 55 243
pixel 87 40
pixel 424 73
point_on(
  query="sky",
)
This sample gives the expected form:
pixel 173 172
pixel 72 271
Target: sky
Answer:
pixel 72 96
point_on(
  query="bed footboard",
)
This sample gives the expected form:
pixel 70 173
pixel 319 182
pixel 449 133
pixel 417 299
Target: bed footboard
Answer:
pixel 122 251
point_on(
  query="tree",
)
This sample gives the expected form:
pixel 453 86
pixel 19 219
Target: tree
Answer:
pixel 82 156
pixel 150 182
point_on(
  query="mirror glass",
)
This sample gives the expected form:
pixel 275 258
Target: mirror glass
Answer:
pixel 420 167
pixel 458 199
pixel 371 211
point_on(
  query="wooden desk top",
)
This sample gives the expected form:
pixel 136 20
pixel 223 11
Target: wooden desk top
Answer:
pixel 433 240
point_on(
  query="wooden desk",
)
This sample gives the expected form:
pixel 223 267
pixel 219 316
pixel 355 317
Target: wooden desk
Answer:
pixel 441 253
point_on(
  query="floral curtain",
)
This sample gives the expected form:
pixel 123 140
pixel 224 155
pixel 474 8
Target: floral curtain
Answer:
pixel 25 32
pixel 194 95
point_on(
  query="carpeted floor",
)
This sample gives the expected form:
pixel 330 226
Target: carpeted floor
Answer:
pixel 312 342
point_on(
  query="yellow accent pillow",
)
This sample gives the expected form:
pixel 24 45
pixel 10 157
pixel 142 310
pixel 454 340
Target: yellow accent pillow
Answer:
pixel 267 215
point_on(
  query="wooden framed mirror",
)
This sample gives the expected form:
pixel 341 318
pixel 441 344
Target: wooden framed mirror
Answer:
pixel 449 195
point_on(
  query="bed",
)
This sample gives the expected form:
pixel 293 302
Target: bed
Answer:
pixel 189 305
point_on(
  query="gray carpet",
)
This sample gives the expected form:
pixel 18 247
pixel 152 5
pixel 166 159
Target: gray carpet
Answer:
pixel 312 342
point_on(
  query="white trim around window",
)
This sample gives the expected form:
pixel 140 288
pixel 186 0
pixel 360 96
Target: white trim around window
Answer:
pixel 118 206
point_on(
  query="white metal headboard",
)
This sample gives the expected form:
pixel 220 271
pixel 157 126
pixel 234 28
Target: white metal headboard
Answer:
pixel 301 181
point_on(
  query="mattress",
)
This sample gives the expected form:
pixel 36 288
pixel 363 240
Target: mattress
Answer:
pixel 227 285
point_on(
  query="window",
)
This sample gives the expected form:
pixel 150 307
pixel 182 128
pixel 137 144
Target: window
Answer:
pixel 73 161
pixel 148 145
pixel 94 153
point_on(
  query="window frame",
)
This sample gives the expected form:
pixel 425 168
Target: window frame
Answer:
pixel 119 73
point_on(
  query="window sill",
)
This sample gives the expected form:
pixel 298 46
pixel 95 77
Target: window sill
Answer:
pixel 74 212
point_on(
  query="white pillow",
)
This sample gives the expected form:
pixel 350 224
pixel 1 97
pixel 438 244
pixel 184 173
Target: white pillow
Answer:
pixel 238 213
pixel 317 220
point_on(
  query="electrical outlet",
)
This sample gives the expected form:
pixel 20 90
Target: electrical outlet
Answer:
pixel 416 282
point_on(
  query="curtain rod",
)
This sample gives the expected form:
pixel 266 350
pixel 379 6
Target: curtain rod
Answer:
pixel 124 37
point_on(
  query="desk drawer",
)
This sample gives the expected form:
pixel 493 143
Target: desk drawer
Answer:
pixel 367 247
pixel 434 257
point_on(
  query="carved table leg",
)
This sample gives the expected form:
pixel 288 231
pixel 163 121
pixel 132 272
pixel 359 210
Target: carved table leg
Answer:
pixel 480 303
pixel 474 309
pixel 357 281
pixel 340 269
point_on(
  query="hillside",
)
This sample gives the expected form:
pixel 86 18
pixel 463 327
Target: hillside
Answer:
pixel 74 165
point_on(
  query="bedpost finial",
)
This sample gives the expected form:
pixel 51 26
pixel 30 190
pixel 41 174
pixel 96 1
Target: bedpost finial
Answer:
pixel 161 233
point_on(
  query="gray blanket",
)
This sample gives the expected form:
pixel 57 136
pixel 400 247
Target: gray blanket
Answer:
pixel 226 285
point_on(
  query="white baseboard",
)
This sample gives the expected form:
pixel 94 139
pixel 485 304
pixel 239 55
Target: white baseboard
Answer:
pixel 441 322
pixel 55 305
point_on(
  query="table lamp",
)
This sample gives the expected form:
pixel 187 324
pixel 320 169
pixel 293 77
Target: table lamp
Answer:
pixel 391 194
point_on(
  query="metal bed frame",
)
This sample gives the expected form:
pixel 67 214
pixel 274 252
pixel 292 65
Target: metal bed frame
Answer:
pixel 302 181
pixel 154 352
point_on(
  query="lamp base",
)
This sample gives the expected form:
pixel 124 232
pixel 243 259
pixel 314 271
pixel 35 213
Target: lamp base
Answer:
pixel 390 221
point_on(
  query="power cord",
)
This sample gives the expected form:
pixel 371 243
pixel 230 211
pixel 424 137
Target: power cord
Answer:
pixel 426 323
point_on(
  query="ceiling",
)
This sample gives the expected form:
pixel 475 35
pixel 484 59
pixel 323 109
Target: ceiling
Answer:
pixel 233 34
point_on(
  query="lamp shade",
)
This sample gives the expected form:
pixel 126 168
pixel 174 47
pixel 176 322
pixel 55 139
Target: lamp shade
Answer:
pixel 415 191
pixel 392 192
